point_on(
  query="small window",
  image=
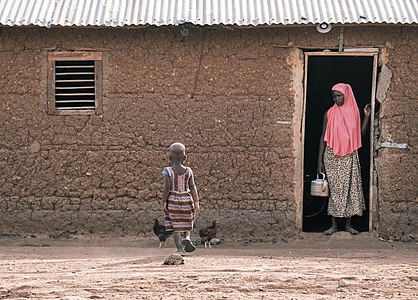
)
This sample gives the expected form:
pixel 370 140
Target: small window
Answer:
pixel 74 83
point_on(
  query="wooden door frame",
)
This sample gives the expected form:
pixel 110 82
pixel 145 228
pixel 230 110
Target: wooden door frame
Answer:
pixel 358 52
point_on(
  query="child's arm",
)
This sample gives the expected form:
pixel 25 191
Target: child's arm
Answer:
pixel 195 196
pixel 166 192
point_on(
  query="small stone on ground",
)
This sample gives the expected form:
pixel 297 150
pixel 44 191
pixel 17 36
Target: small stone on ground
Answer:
pixel 174 259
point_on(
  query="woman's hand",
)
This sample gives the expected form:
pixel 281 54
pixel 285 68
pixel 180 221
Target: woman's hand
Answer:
pixel 367 111
pixel 366 120
pixel 321 168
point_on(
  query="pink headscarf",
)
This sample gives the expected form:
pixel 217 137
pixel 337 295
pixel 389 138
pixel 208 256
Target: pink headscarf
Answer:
pixel 343 132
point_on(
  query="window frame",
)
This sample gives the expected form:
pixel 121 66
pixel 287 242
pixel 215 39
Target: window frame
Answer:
pixel 97 57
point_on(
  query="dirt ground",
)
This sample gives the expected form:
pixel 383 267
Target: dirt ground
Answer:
pixel 314 267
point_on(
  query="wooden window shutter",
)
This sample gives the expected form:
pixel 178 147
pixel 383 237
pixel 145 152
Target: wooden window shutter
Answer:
pixel 74 83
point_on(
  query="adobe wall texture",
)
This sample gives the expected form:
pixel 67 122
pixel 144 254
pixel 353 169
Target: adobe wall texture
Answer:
pixel 221 93
pixel 397 168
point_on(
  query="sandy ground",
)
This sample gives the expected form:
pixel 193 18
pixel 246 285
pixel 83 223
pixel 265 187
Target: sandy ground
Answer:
pixel 317 267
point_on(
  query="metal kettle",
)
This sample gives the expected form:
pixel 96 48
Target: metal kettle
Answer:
pixel 319 187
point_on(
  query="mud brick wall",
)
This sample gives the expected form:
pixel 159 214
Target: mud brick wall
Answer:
pixel 397 168
pixel 220 92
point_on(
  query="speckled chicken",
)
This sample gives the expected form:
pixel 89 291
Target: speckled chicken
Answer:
pixel 208 233
pixel 160 231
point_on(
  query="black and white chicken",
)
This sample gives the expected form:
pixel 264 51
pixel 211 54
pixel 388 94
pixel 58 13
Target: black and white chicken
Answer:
pixel 160 231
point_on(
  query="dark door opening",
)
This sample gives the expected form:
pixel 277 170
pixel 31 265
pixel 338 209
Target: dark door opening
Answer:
pixel 323 73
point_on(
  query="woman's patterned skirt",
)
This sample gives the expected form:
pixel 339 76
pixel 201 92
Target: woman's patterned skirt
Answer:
pixel 344 178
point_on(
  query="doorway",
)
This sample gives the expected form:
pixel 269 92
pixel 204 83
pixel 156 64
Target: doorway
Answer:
pixel 322 71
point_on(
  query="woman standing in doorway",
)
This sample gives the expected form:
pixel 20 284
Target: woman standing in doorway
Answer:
pixel 338 157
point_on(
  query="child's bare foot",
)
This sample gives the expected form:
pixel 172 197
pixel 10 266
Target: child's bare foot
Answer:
pixel 351 230
pixel 330 231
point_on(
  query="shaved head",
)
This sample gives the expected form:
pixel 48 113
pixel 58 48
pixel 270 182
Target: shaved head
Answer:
pixel 177 148
pixel 177 152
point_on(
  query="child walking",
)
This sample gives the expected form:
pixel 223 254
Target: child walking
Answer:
pixel 180 199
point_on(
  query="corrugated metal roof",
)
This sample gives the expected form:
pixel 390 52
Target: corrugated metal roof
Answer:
pixel 205 12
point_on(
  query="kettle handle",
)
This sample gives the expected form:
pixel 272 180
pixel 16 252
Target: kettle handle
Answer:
pixel 323 176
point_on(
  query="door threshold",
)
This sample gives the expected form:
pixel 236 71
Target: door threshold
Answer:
pixel 340 235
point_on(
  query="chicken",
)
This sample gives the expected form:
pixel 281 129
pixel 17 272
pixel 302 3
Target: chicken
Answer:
pixel 208 233
pixel 160 231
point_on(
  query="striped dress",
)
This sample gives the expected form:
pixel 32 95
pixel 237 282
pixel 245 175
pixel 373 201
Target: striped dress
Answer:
pixel 180 215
